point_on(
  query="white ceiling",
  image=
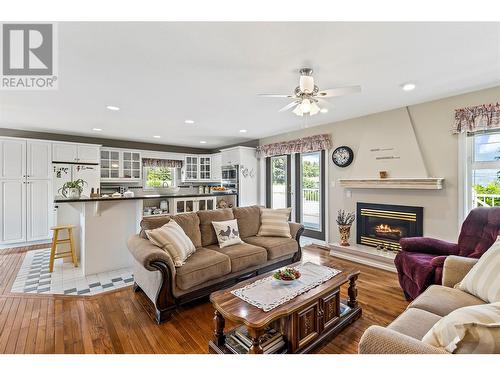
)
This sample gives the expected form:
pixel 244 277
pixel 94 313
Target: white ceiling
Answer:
pixel 161 74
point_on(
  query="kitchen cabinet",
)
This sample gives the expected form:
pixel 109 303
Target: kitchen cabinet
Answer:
pixel 120 165
pixel 205 167
pixel 25 190
pixel 216 170
pixel 183 205
pixel 191 168
pixel 75 153
pixel 201 168
pixel 231 156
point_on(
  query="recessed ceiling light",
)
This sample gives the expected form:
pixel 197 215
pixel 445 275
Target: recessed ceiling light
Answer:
pixel 156 136
pixel 188 121
pixel 243 131
pixel 323 110
pixel 97 129
pixel 113 108
pixel 203 142
pixel 408 86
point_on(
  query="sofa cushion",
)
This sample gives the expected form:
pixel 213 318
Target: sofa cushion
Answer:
pixel 468 330
pixel 243 255
pixel 276 246
pixel 414 323
pixel 442 300
pixel 248 220
pixel 189 222
pixel 208 236
pixel 416 266
pixel 227 232
pixel 274 222
pixel 203 265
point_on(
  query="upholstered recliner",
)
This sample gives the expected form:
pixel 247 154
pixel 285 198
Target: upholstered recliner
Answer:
pixel 420 261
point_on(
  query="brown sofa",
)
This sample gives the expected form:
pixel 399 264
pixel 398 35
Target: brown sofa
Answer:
pixel 404 335
pixel 210 268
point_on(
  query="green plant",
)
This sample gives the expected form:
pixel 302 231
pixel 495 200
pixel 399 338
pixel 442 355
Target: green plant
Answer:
pixel 77 184
pixel 345 218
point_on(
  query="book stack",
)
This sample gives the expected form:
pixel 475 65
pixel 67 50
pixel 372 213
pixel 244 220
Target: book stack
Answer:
pixel 239 341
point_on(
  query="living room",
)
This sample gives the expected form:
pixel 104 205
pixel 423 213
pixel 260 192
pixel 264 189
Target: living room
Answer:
pixel 207 185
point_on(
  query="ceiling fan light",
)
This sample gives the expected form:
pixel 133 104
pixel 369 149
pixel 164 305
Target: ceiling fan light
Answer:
pixel 298 111
pixel 305 106
pixel 314 109
pixel 306 84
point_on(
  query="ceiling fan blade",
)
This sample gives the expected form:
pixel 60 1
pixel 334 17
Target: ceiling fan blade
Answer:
pixel 288 106
pixel 276 95
pixel 339 91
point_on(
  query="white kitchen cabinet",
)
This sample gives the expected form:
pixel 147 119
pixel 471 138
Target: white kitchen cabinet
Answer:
pixel 39 208
pixel 191 168
pixel 75 153
pixel 201 168
pixel 12 158
pixel 231 156
pixel 195 204
pixel 39 160
pixel 12 211
pixel 205 167
pixel 118 165
pixel 216 172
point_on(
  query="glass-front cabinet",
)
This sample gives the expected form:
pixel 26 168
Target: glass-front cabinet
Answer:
pixel 184 205
pixel 121 165
pixel 191 168
pixel 205 164
pixel 197 168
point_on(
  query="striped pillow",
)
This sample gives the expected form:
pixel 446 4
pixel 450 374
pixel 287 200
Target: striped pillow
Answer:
pixel 274 223
pixel 173 240
pixel 470 329
pixel 483 280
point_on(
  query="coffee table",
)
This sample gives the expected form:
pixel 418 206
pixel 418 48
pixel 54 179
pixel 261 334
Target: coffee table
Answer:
pixel 304 322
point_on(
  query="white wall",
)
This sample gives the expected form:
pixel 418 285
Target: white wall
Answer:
pixel 428 149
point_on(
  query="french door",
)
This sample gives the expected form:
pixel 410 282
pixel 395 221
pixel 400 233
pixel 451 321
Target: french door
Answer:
pixel 279 181
pixel 310 193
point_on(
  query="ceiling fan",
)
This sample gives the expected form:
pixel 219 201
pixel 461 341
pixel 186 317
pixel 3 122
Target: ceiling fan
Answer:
pixel 307 96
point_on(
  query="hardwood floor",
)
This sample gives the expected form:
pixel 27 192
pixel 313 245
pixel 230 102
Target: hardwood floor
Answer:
pixel 116 322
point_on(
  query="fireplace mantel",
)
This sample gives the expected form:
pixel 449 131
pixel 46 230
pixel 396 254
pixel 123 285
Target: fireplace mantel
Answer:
pixel 428 183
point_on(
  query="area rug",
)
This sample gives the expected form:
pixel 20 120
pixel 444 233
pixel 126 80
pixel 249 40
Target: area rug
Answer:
pixel 34 277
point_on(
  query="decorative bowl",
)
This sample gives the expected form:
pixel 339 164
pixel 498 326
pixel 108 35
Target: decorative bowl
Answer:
pixel 286 275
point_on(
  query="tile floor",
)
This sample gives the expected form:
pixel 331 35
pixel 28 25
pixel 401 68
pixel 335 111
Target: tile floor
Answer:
pixel 34 277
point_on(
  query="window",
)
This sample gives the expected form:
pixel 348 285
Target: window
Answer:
pixel 159 177
pixel 484 178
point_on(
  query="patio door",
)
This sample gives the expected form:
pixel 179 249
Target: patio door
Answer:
pixel 310 193
pixel 278 181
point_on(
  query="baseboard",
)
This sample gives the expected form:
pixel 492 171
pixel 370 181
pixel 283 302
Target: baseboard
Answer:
pixel 25 244
pixel 364 255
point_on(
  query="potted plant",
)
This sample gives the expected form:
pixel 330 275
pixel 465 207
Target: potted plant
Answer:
pixel 72 189
pixel 344 221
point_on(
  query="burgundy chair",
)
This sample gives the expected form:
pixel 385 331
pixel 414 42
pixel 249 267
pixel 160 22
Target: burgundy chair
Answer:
pixel 420 261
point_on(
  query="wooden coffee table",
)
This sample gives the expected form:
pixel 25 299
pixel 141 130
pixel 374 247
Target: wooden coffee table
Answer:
pixel 304 322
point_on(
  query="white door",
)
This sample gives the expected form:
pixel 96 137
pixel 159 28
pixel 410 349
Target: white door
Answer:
pixel 39 209
pixel 12 159
pixel 39 160
pixel 12 211
pixel 88 154
pixel 64 152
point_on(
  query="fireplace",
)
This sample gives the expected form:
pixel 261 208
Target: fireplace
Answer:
pixel 382 225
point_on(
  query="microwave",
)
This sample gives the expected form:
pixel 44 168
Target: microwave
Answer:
pixel 230 173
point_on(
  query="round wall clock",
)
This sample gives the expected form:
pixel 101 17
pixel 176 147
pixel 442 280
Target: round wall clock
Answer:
pixel 342 156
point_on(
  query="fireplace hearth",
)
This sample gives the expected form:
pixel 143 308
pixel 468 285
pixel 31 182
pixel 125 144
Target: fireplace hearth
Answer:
pixel 383 225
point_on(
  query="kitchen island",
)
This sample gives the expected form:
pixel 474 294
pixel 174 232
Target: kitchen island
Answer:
pixel 104 224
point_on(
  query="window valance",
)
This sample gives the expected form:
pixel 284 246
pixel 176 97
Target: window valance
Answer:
pixel 306 144
pixel 480 117
pixel 162 163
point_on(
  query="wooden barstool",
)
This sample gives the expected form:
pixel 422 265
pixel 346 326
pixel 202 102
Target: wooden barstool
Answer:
pixel 56 241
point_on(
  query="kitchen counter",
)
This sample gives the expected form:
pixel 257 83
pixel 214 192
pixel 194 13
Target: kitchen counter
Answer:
pixel 143 196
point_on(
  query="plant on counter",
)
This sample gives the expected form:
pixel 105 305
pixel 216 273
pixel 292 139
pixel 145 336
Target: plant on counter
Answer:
pixel 344 221
pixel 72 189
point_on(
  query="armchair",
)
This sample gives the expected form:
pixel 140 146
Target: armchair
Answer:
pixel 420 261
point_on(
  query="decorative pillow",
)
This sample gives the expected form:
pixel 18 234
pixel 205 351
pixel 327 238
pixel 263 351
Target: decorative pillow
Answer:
pixel 470 329
pixel 274 222
pixel 227 232
pixel 173 240
pixel 483 280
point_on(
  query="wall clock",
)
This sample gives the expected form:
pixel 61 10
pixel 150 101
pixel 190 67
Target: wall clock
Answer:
pixel 342 156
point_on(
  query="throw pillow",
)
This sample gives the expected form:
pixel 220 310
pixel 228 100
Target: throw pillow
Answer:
pixel 171 238
pixel 227 232
pixel 483 280
pixel 274 222
pixel 470 329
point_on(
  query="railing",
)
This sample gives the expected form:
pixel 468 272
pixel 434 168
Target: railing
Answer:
pixel 311 195
pixel 486 200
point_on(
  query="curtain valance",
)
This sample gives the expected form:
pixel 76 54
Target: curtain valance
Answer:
pixel 306 144
pixel 162 163
pixel 480 117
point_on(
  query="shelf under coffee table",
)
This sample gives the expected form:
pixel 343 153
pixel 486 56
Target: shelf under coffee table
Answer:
pixel 304 322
